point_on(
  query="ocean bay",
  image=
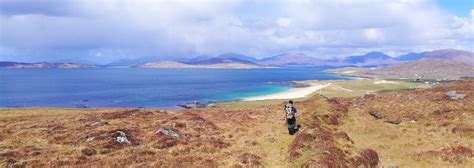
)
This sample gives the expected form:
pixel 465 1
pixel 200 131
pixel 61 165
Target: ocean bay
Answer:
pixel 137 87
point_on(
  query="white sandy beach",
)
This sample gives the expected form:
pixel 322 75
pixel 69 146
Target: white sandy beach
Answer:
pixel 290 94
pixel 384 81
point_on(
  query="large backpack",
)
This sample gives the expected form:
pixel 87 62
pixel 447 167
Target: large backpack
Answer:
pixel 290 113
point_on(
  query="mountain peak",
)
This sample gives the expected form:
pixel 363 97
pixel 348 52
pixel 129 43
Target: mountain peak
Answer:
pixel 237 56
pixel 369 57
pixel 292 59
pixel 451 54
pixel 377 54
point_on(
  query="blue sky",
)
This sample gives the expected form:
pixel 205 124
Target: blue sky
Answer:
pixel 109 30
pixel 457 7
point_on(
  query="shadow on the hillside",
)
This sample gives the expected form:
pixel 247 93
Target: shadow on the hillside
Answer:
pixel 294 131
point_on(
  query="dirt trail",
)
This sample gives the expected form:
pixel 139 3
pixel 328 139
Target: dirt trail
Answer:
pixel 267 137
pixel 276 149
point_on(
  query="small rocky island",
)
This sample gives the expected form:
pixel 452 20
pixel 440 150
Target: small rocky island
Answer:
pixel 19 65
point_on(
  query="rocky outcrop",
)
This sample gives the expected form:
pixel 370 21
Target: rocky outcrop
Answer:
pixel 121 138
pixel 195 105
pixel 168 132
pixel 99 123
pixel 454 95
pixel 435 104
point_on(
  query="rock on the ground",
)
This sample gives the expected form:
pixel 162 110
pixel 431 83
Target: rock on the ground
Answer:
pixel 454 95
pixel 90 139
pixel 395 121
pixel 99 123
pixel 195 105
pixel 14 163
pixel 168 132
pixel 121 138
pixel 104 135
pixel 375 115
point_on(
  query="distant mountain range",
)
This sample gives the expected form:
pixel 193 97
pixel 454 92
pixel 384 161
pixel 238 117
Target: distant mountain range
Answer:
pixel 446 54
pixel 451 54
pixel 437 65
pixel 429 69
pixel 238 56
pixel 143 60
pixel 235 60
pixel 410 56
pixel 371 59
pixel 42 65
pixel 292 60
pixel 229 60
pixel 212 64
pixel 421 69
pixel 222 60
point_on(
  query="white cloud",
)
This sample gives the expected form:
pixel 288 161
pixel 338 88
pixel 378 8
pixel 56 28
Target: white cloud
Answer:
pixel 284 22
pixel 323 28
pixel 373 34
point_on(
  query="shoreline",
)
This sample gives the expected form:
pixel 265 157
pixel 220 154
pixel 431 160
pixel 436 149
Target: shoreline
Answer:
pixel 299 90
pixel 293 93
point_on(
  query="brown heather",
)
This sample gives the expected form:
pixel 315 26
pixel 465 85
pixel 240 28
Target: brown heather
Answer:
pixel 414 128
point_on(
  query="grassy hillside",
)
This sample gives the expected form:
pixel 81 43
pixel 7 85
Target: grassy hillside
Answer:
pixel 431 130
pixel 423 69
pixel 420 128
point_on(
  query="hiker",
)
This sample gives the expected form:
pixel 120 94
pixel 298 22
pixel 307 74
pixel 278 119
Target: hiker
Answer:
pixel 290 117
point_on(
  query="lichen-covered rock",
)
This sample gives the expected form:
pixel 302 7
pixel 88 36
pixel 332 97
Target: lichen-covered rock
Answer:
pixel 90 139
pixel 99 123
pixel 454 95
pixel 121 138
pixel 169 132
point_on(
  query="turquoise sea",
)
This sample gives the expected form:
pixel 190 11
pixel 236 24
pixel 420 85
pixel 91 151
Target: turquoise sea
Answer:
pixel 135 87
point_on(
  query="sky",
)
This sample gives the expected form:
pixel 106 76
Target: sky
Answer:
pixel 103 31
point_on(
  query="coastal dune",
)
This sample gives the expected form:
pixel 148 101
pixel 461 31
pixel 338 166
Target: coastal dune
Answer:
pixel 290 94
